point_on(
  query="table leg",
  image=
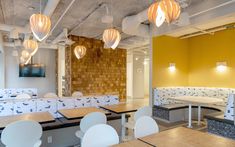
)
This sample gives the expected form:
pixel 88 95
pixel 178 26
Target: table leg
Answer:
pixel 190 116
pixel 123 129
pixel 199 115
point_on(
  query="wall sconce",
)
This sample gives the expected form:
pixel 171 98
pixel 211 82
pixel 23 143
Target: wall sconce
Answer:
pixel 221 66
pixel 172 67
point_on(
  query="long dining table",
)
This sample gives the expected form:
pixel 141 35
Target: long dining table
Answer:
pixel 185 137
pixel 196 100
pixel 77 113
pixel 40 117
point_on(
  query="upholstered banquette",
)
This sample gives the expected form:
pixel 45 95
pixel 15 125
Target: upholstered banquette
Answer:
pixel 161 95
pixel 14 107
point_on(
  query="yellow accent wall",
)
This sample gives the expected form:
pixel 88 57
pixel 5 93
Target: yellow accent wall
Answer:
pixel 167 50
pixel 195 60
pixel 204 52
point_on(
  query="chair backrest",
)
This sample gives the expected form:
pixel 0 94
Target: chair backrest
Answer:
pixel 143 111
pixel 21 134
pixel 145 126
pixel 23 96
pixel 92 119
pixel 101 135
pixel 50 95
pixel 77 94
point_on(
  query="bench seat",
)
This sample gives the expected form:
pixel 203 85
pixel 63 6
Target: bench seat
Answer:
pixel 217 124
pixel 179 112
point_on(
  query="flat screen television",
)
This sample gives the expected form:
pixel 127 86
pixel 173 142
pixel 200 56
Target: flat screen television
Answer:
pixel 32 70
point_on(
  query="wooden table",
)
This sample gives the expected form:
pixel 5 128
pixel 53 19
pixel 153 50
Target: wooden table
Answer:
pixel 122 109
pixel 184 137
pixel 41 117
pixel 196 100
pixel 79 112
pixel 133 143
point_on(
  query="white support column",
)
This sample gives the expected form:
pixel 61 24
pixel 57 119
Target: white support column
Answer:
pixel 151 98
pixel 123 129
pixel 2 64
pixel 61 68
pixel 190 116
pixel 199 115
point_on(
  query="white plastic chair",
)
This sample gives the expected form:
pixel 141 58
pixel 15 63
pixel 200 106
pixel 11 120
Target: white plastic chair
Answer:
pixel 77 94
pixel 50 95
pixel 143 111
pixel 23 96
pixel 25 133
pixel 90 120
pixel 101 135
pixel 145 126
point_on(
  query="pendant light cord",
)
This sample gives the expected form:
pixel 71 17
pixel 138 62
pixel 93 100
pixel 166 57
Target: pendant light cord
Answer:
pixel 40 7
pixel 111 12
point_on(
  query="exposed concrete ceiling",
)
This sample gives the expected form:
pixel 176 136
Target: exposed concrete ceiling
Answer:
pixel 84 17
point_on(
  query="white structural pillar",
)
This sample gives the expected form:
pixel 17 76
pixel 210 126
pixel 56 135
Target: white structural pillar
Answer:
pixel 151 98
pixel 199 115
pixel 190 116
pixel 2 64
pixel 61 68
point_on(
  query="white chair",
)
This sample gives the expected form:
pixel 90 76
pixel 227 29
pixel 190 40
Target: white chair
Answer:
pixel 77 94
pixel 50 95
pixel 22 134
pixel 145 126
pixel 23 96
pixel 90 120
pixel 101 135
pixel 143 111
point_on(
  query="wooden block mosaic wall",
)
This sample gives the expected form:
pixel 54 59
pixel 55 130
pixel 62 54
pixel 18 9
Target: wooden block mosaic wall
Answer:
pixel 100 71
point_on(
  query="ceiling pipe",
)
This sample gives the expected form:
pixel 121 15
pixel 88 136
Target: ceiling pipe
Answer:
pixel 132 25
pixel 213 8
pixel 9 28
pixel 69 6
pixel 50 7
pixel 41 45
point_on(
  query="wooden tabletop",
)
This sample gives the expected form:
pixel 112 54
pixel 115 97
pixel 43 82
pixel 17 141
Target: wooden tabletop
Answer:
pixel 184 137
pixel 133 143
pixel 41 117
pixel 79 112
pixel 197 99
pixel 123 107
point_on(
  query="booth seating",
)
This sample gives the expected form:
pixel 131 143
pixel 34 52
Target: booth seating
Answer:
pixel 14 107
pixel 172 111
pixel 11 93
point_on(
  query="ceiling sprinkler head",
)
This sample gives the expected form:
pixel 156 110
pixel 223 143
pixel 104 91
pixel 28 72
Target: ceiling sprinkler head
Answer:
pixel 107 19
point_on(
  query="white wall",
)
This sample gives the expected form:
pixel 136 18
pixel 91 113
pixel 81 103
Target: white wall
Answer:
pixel 138 76
pixel 44 85
pixel 129 79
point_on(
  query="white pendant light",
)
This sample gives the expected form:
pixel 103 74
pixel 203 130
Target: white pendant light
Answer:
pixel 165 10
pixel 80 51
pixel 111 38
pixel 40 26
pixel 156 15
pixel 25 60
pixel 31 46
pixel 171 8
pixel 25 54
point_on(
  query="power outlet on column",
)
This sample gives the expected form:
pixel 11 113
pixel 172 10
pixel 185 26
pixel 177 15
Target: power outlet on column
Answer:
pixel 49 139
